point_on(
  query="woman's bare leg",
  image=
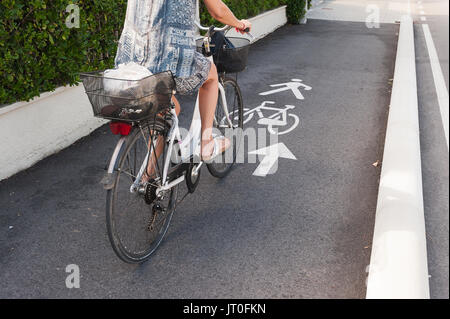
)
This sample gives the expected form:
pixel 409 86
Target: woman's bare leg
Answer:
pixel 208 96
pixel 159 148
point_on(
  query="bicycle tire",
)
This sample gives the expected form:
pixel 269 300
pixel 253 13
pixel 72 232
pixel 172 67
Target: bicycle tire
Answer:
pixel 118 243
pixel 219 168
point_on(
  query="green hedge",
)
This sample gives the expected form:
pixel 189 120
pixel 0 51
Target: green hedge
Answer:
pixel 295 10
pixel 39 53
pixel 242 8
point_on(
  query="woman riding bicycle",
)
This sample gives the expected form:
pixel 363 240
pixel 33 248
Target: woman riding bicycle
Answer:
pixel 160 35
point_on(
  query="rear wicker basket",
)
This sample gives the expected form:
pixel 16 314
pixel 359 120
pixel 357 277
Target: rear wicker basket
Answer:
pixel 140 100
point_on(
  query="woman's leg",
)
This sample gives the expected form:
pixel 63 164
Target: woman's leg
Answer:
pixel 159 141
pixel 159 148
pixel 177 105
pixel 208 96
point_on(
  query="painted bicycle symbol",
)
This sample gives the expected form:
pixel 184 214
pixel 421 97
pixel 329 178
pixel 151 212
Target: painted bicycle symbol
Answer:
pixel 279 118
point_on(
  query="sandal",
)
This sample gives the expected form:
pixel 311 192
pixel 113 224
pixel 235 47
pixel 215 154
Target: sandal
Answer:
pixel 216 149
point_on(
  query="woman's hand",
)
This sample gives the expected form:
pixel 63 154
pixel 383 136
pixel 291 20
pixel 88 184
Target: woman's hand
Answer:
pixel 244 25
pixel 222 13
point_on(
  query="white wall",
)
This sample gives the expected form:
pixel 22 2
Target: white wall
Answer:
pixel 32 131
pixel 265 23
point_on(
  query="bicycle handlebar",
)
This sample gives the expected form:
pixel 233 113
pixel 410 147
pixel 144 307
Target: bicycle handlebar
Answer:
pixel 225 28
pixel 215 29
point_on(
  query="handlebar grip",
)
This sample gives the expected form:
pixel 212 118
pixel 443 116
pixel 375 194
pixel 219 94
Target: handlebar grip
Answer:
pixel 247 30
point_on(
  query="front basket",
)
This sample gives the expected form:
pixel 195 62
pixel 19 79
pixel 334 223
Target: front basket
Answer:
pixel 230 60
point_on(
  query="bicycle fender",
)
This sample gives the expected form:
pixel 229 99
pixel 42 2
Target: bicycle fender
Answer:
pixel 109 179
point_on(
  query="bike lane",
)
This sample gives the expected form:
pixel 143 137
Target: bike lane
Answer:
pixel 434 150
pixel 303 230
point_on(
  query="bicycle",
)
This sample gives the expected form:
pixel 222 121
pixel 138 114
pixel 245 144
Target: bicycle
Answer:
pixel 280 118
pixel 138 213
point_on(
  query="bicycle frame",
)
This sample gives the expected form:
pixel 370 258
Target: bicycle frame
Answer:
pixel 190 146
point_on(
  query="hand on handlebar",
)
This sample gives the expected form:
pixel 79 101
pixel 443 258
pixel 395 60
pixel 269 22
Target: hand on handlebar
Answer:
pixel 246 27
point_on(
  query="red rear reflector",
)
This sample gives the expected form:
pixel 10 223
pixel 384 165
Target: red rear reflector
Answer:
pixel 120 128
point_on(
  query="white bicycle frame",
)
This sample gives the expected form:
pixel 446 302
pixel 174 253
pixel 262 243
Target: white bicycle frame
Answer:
pixel 189 146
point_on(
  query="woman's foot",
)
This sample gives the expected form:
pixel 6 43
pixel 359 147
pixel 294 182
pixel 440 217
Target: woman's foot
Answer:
pixel 214 147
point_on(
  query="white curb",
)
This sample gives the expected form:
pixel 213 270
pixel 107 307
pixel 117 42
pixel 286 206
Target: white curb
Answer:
pixel 398 266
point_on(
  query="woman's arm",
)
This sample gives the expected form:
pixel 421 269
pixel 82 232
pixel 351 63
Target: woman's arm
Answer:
pixel 222 13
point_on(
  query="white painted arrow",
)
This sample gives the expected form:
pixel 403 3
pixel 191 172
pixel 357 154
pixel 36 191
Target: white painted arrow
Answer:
pixel 271 155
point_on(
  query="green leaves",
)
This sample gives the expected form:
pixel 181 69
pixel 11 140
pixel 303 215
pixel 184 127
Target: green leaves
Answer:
pixel 241 8
pixel 295 10
pixel 38 52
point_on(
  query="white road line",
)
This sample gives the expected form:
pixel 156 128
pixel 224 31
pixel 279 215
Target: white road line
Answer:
pixel 422 12
pixel 439 82
pixel 423 18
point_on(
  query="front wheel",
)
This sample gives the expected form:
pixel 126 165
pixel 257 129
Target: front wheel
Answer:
pixel 232 129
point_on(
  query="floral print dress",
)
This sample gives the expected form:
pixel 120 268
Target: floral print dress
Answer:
pixel 160 35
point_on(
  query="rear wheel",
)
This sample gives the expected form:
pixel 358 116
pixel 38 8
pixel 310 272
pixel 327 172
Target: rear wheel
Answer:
pixel 138 220
pixel 223 163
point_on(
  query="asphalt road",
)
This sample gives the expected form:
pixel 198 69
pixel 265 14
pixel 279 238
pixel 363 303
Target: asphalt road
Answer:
pixel 303 232
pixel 435 156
